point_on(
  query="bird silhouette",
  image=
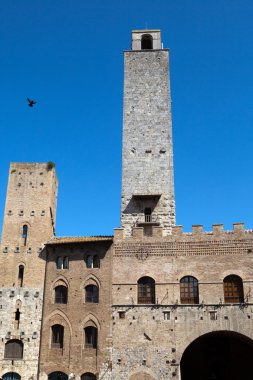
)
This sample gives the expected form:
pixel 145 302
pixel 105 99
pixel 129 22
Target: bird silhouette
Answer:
pixel 31 102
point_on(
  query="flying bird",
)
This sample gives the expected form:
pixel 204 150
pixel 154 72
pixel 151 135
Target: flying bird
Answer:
pixel 31 102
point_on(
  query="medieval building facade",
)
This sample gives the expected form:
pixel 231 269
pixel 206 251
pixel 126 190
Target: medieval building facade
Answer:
pixel 150 302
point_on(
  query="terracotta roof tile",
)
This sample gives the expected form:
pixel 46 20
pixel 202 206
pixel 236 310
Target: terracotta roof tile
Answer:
pixel 77 239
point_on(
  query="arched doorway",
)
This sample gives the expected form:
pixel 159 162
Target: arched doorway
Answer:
pixel 11 376
pixel 220 355
pixel 57 376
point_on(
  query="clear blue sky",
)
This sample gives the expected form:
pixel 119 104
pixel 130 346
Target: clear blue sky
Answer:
pixel 67 54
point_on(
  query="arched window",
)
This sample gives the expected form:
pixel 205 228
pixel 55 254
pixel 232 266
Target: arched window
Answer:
pixel 57 376
pixel 13 349
pixel 21 270
pixel 189 290
pixel 25 233
pixel 88 376
pixel 92 261
pixel 91 294
pixel 90 336
pixel 61 294
pixel 57 336
pixel 11 376
pixel 233 289
pixel 146 290
pixel 146 42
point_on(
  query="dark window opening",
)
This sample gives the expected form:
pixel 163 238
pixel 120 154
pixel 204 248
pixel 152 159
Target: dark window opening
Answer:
pixel 96 262
pixel 20 275
pixel 57 376
pixel 17 318
pixel 148 215
pixel 57 336
pixel 146 42
pixel 11 376
pixel 88 376
pixel 13 349
pixel 233 289
pixel 189 290
pixel 59 262
pixel 25 233
pixel 93 261
pixel 62 262
pixel 91 294
pixel 90 333
pixel 61 294
pixel 146 290
pixel 66 263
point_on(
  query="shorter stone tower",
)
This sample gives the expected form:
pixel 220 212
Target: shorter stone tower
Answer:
pixel 29 221
pixel 147 163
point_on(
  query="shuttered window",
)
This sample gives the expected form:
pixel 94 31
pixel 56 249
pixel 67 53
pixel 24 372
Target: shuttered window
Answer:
pixel 233 289
pixel 189 290
pixel 146 290
pixel 13 349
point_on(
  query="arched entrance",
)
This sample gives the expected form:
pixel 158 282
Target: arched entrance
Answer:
pixel 57 376
pixel 11 376
pixel 220 355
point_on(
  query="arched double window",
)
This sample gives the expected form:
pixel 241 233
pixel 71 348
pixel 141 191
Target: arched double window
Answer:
pixel 189 290
pixel 90 336
pixel 61 294
pixel 233 289
pixel 88 376
pixel 91 294
pixel 57 336
pixel 13 349
pixel 62 262
pixel 92 261
pixel 146 42
pixel 146 290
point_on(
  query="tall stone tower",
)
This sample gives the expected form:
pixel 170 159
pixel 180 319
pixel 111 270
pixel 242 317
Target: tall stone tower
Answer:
pixel 147 168
pixel 28 223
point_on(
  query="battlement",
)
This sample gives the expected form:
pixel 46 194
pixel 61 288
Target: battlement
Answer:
pixel 238 232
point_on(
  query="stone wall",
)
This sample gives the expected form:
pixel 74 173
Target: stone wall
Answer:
pixel 147 168
pixel 151 339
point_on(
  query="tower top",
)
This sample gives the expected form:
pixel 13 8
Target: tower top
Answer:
pixel 146 39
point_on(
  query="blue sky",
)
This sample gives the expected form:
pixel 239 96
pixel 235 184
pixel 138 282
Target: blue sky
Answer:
pixel 67 54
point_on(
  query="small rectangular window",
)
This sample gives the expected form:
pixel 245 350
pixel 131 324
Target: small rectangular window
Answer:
pixel 166 315
pixel 213 315
pixel 122 314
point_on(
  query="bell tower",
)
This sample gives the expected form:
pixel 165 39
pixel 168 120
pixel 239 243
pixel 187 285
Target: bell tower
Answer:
pixel 147 158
